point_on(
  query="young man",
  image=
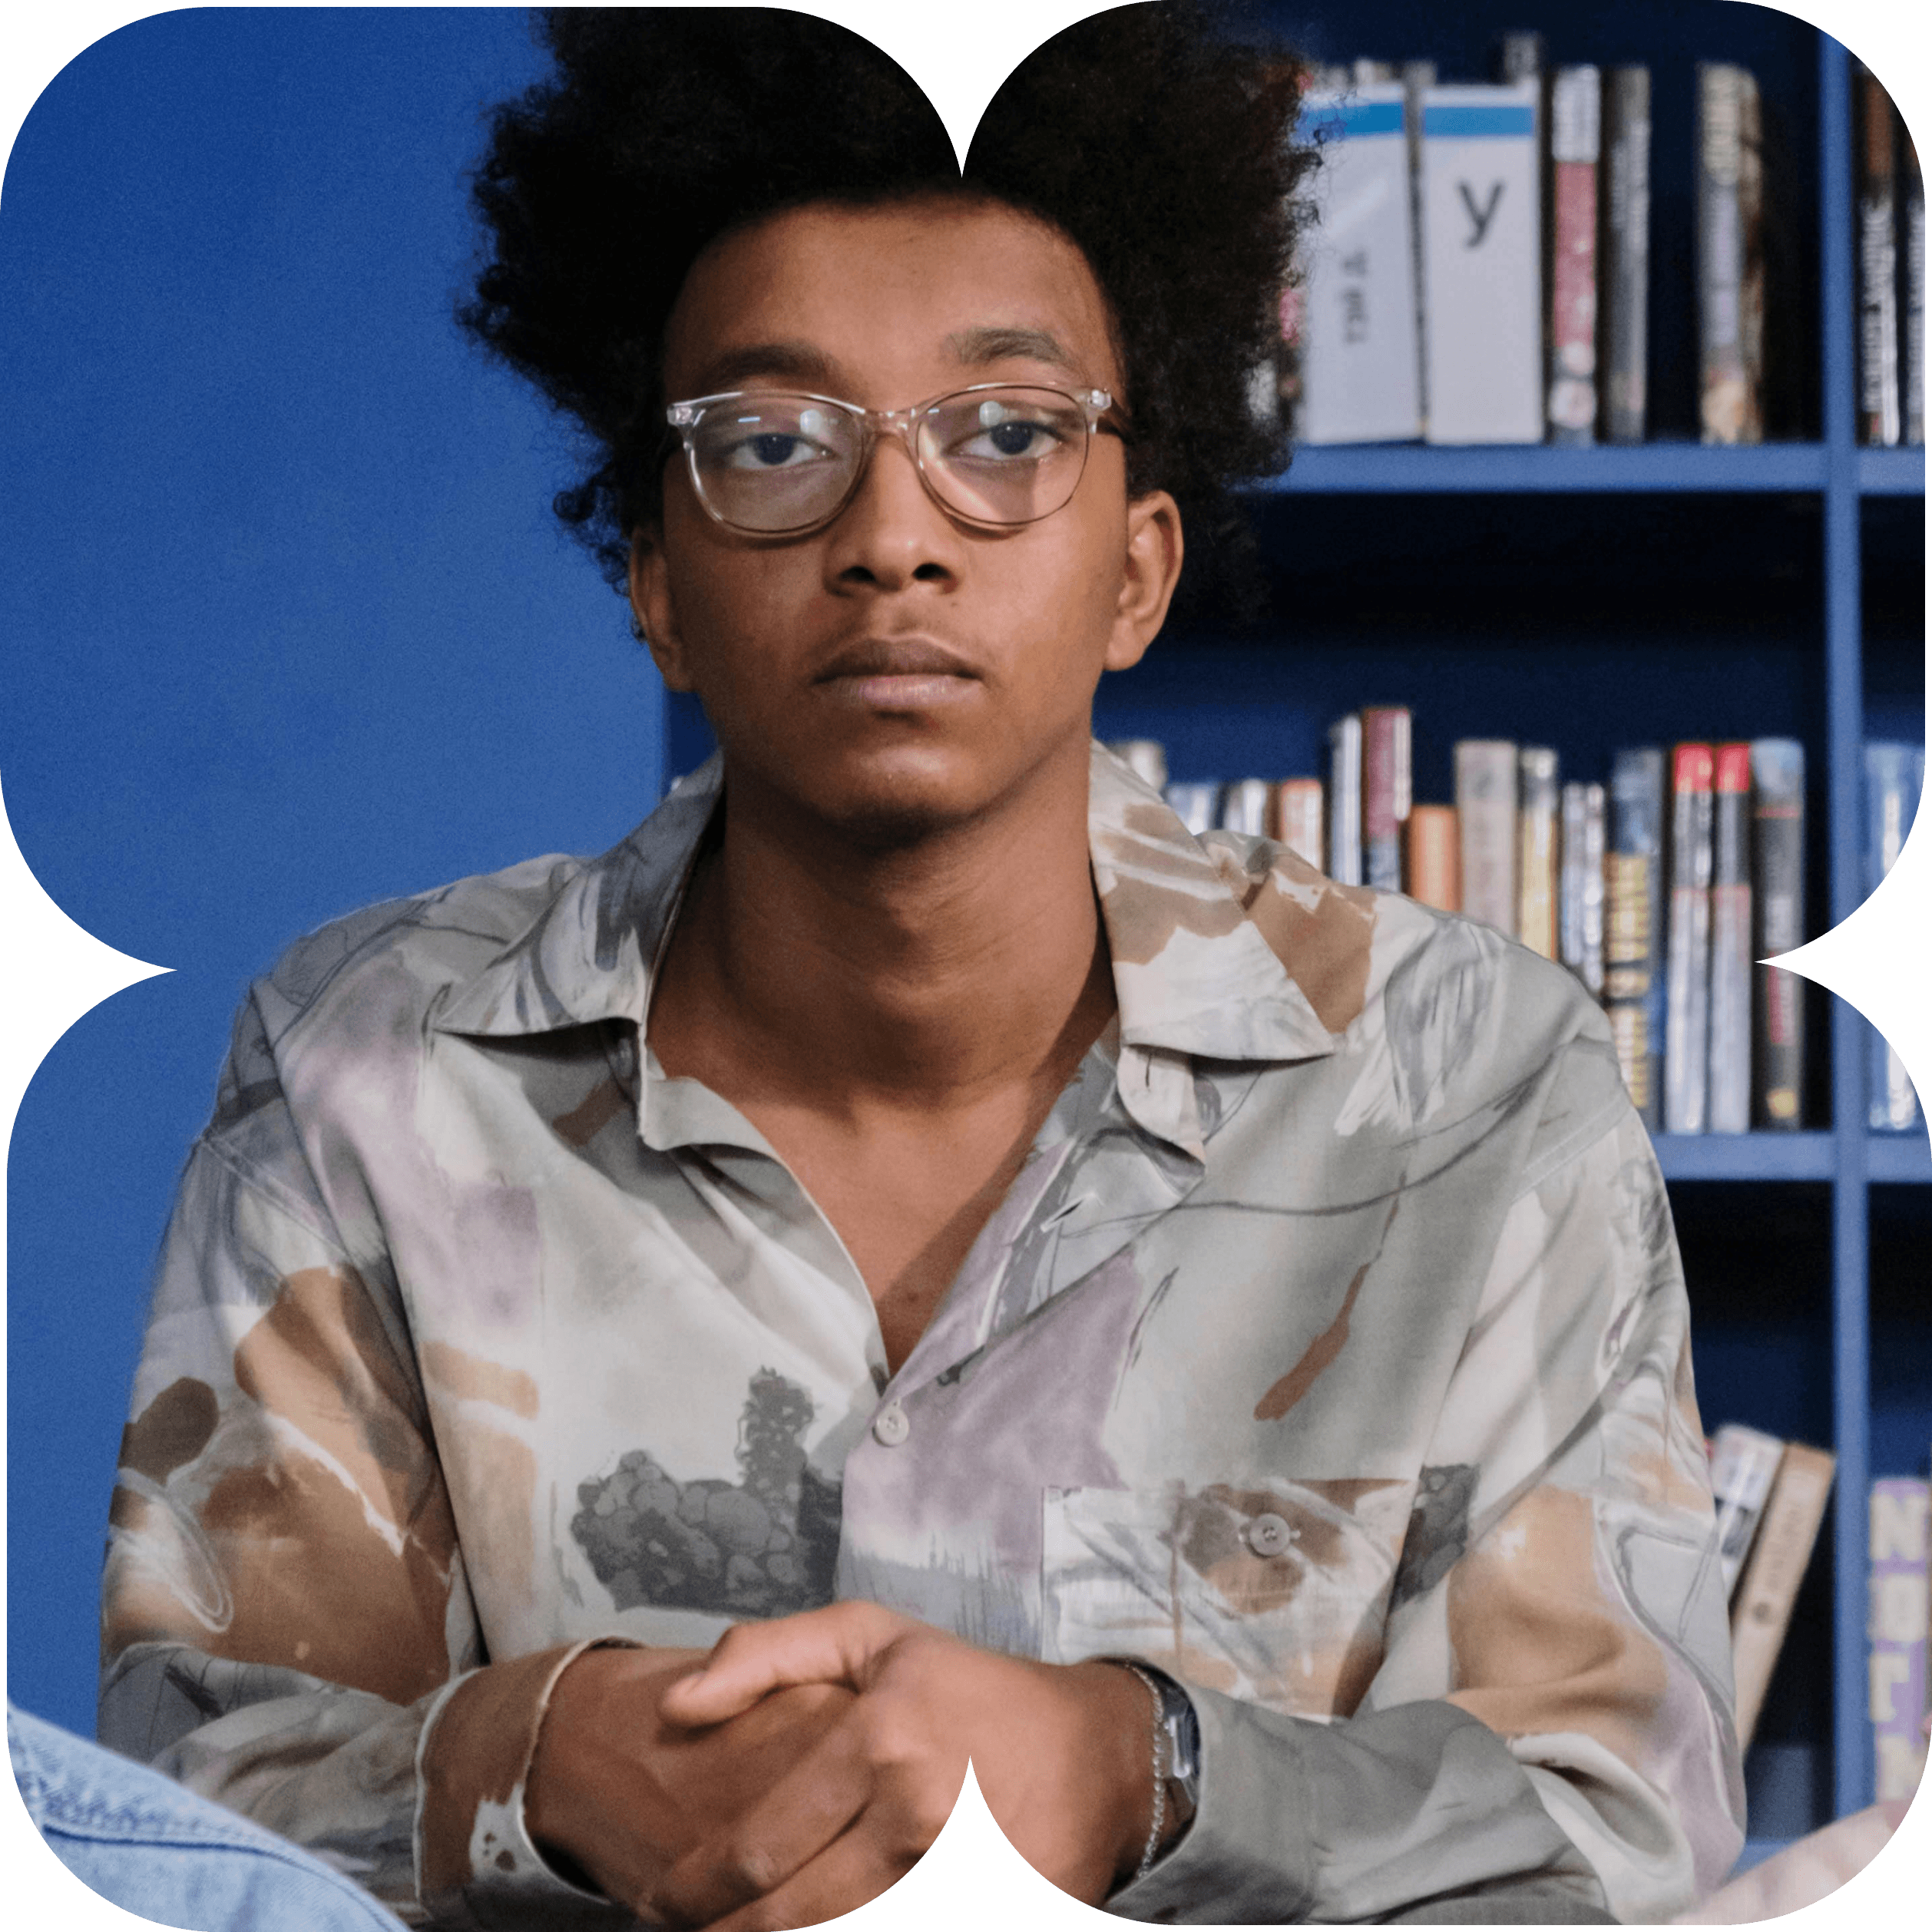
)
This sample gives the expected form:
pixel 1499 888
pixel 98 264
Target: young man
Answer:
pixel 1206 1343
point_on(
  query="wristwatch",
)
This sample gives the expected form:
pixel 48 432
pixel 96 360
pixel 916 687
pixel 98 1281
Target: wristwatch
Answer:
pixel 1183 1729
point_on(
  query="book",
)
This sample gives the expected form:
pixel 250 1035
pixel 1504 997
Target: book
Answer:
pixel 1750 285
pixel 1384 793
pixel 1633 925
pixel 1418 77
pixel 1344 800
pixel 1580 917
pixel 1485 784
pixel 1432 867
pixel 1911 249
pixel 1576 119
pixel 1297 819
pixel 1901 1612
pixel 1878 391
pixel 1244 807
pixel 1624 272
pixel 1687 983
pixel 1482 256
pixel 1728 1080
pixel 1730 410
pixel 1761 1607
pixel 1777 909
pixel 1744 1464
pixel 1146 758
pixel 1362 357
pixel 1536 849
pixel 1894 776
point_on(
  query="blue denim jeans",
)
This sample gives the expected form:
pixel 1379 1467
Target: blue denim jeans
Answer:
pixel 151 1846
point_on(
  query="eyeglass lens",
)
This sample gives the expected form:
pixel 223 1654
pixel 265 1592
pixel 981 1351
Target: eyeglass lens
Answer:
pixel 772 464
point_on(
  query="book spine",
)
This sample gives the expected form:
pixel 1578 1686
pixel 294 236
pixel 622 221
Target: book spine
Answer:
pixel 1894 775
pixel 1744 1464
pixel 1344 801
pixel 1777 899
pixel 1686 1019
pixel 1146 758
pixel 1723 409
pixel 1912 289
pixel 1634 965
pixel 1537 846
pixel 1901 1611
pixel 1196 804
pixel 1761 1609
pixel 1486 822
pixel 1580 912
pixel 1728 1080
pixel 1297 819
pixel 1433 868
pixel 1625 275
pixel 1385 797
pixel 1244 807
pixel 1878 397
pixel 1418 77
pixel 1575 143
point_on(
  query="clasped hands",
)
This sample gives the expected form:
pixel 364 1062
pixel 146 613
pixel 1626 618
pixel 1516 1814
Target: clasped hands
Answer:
pixel 802 1765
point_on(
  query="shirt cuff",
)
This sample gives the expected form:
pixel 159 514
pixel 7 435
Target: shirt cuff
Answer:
pixel 477 1869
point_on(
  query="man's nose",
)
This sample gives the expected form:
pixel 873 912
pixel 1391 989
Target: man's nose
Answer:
pixel 893 532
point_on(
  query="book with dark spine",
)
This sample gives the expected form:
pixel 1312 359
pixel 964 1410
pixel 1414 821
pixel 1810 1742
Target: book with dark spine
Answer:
pixel 1576 119
pixel 1536 850
pixel 1385 794
pixel 1486 822
pixel 1633 925
pixel 1894 776
pixel 1750 285
pixel 1744 1465
pixel 1687 988
pixel 1624 272
pixel 1580 908
pixel 1901 1611
pixel 1297 819
pixel 1728 1091
pixel 1878 396
pixel 1344 800
pixel 1911 242
pixel 1778 904
pixel 1728 412
pixel 1433 858
pixel 1761 1608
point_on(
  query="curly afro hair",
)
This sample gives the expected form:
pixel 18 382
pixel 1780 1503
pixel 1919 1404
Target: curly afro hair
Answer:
pixel 1160 149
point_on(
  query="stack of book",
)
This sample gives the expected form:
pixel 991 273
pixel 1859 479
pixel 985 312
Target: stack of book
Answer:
pixel 1660 888
pixel 1478 269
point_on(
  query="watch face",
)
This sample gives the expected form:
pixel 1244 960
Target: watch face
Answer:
pixel 1183 1730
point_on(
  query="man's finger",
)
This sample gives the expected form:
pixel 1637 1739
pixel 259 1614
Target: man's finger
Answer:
pixel 848 1873
pixel 763 1848
pixel 833 1646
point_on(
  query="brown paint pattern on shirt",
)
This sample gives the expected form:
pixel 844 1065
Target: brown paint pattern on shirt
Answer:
pixel 1326 951
pixel 173 1429
pixel 476 1378
pixel 1321 1352
pixel 1537 1645
pixel 584 1121
pixel 338 1561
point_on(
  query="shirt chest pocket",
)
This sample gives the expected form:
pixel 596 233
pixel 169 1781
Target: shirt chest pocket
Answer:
pixel 1275 1593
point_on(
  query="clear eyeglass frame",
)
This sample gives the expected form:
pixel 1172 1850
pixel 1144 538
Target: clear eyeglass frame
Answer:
pixel 1095 409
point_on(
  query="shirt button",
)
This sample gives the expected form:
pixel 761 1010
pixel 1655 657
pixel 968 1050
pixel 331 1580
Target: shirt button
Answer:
pixel 892 1425
pixel 1269 1535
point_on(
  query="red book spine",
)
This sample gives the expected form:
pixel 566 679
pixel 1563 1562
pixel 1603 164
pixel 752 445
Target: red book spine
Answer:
pixel 1574 150
pixel 1384 793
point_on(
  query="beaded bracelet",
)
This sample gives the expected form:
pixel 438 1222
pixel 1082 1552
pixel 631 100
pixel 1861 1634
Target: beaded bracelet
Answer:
pixel 1157 1824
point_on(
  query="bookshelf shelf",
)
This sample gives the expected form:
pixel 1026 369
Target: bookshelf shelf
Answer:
pixel 1747 1156
pixel 1891 472
pixel 1893 1158
pixel 1398 469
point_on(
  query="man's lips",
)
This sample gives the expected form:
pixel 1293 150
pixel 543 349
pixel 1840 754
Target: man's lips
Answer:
pixel 898 673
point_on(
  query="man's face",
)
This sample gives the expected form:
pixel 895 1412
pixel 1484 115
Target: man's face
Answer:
pixel 899 670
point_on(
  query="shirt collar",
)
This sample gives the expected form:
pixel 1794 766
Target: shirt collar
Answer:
pixel 1202 967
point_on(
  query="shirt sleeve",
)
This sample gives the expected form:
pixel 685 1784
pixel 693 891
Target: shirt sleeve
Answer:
pixel 287 1626
pixel 1549 1736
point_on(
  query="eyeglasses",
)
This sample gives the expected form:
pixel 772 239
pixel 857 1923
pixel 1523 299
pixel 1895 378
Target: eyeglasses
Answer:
pixel 995 454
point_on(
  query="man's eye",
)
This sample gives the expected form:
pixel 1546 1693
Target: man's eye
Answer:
pixel 773 449
pixel 1014 439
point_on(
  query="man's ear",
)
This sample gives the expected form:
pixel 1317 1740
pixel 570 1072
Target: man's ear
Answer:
pixel 1151 568
pixel 651 605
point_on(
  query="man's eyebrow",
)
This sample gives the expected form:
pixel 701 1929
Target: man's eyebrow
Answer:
pixel 792 362
pixel 978 345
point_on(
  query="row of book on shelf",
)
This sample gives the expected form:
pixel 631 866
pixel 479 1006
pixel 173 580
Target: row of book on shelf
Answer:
pixel 1771 1496
pixel 1660 890
pixel 1478 268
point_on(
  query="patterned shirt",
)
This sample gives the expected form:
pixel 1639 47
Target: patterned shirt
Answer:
pixel 1329 1352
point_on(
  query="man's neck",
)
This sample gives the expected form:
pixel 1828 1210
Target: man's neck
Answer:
pixel 920 974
